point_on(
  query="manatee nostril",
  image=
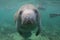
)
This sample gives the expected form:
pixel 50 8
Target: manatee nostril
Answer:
pixel 27 21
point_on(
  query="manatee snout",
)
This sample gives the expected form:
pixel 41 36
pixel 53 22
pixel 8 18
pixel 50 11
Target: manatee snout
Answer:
pixel 28 16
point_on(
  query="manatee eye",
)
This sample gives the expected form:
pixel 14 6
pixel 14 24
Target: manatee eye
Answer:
pixel 20 12
pixel 35 11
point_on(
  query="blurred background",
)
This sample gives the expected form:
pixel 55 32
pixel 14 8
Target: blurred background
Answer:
pixel 50 25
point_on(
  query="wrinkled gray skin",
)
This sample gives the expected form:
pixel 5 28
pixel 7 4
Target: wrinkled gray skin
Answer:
pixel 27 23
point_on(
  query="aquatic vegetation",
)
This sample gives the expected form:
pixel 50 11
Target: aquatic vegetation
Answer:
pixel 45 35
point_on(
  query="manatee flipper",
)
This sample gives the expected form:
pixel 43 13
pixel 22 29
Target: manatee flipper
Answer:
pixel 38 31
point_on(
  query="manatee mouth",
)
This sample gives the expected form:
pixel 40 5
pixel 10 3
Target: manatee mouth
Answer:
pixel 28 22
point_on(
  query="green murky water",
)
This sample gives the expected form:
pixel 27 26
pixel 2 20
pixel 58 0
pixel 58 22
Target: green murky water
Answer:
pixel 50 25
